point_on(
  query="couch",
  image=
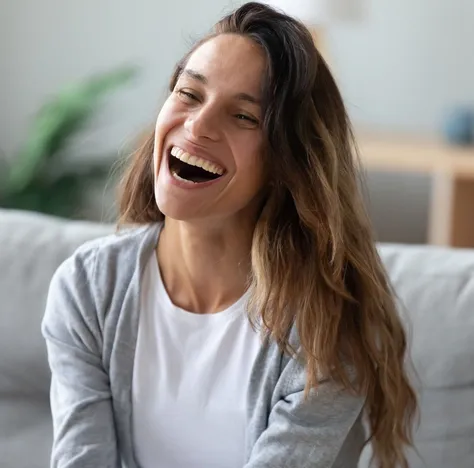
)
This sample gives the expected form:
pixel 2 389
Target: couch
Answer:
pixel 436 291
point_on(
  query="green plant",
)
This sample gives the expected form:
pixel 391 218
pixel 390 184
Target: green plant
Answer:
pixel 41 177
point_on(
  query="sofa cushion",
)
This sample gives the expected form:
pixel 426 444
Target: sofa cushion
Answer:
pixel 31 248
pixel 435 287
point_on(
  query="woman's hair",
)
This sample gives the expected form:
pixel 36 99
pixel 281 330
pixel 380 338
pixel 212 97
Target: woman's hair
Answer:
pixel 314 259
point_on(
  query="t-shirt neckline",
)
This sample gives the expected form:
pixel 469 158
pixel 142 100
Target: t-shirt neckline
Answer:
pixel 230 313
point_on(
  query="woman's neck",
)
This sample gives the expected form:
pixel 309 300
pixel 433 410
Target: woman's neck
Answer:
pixel 205 266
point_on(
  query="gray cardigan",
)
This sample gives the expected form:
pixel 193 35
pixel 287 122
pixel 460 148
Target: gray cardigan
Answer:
pixel 90 327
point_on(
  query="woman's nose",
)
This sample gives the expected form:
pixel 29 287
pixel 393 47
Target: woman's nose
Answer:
pixel 203 123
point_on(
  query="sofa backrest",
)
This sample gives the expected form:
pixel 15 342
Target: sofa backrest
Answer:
pixel 31 248
pixel 436 291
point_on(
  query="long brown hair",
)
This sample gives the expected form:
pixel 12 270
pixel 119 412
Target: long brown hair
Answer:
pixel 314 259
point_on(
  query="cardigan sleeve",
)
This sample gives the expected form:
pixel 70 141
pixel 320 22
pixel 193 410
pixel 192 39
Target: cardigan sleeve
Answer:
pixel 323 430
pixel 81 404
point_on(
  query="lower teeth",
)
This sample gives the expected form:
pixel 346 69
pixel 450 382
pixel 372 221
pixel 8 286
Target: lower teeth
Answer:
pixel 176 176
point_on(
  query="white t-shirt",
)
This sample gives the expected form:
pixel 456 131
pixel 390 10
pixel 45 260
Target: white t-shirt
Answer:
pixel 190 380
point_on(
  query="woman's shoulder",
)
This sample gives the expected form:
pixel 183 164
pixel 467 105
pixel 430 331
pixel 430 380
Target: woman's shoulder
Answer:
pixel 90 286
pixel 103 267
pixel 127 242
pixel 108 254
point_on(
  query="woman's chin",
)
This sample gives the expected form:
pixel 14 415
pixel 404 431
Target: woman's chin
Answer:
pixel 173 208
pixel 177 203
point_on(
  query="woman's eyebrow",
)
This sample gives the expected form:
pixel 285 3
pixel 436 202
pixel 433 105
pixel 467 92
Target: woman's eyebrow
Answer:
pixel 247 97
pixel 195 75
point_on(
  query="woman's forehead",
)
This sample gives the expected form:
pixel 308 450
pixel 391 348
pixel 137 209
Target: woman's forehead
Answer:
pixel 229 59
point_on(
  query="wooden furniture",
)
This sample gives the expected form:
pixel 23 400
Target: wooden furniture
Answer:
pixel 451 217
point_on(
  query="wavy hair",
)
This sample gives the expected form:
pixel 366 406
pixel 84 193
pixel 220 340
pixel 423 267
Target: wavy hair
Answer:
pixel 314 259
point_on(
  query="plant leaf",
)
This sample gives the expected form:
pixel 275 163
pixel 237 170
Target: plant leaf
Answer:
pixel 60 120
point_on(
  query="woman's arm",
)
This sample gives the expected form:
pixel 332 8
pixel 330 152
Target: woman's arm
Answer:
pixel 322 431
pixel 84 432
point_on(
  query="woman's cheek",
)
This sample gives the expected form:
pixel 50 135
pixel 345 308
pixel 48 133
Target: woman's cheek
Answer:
pixel 157 152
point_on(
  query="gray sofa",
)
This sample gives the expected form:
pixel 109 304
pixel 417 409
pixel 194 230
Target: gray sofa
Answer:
pixel 436 290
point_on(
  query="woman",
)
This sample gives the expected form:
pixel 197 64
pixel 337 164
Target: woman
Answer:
pixel 248 322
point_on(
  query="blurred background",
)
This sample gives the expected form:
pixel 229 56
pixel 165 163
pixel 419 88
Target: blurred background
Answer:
pixel 80 81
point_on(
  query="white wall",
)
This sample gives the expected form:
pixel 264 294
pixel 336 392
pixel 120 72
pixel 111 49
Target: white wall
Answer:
pixel 402 69
pixel 399 69
pixel 407 62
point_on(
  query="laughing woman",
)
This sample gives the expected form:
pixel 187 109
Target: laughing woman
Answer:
pixel 245 320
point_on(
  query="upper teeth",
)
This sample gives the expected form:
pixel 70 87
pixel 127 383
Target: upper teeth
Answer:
pixel 196 161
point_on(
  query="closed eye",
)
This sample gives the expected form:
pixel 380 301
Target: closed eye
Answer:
pixel 187 95
pixel 246 118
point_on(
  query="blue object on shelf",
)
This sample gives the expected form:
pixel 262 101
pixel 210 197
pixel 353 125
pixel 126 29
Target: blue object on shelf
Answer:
pixel 459 127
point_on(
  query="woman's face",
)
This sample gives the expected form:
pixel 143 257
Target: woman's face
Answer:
pixel 208 140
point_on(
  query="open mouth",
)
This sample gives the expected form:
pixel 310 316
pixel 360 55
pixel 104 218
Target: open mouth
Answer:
pixel 188 168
